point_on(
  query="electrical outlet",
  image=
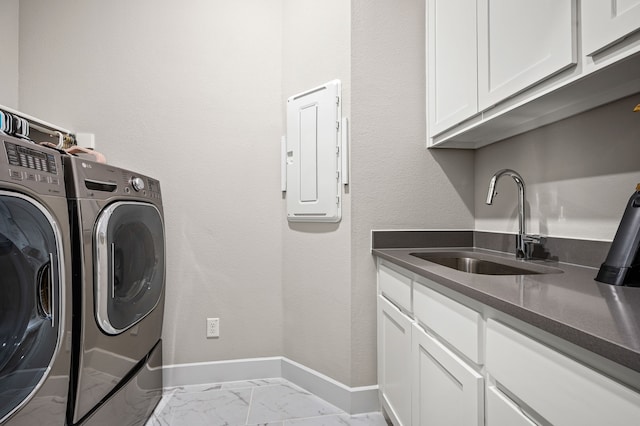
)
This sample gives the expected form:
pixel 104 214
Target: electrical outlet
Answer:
pixel 213 327
pixel 88 140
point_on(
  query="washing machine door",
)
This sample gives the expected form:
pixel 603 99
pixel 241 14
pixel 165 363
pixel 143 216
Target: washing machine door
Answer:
pixel 129 264
pixel 30 298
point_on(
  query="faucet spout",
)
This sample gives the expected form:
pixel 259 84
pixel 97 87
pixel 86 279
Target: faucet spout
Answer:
pixel 521 197
pixel 523 241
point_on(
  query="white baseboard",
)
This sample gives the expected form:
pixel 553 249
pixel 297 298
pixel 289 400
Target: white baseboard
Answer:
pixel 363 399
pixel 200 373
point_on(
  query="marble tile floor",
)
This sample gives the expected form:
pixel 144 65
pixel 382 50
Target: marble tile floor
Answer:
pixel 269 402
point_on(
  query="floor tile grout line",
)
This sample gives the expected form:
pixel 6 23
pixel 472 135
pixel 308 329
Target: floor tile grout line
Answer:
pixel 289 419
pixel 254 386
pixel 316 417
pixel 246 422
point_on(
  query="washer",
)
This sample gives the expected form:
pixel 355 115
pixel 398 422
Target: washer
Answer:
pixel 35 285
pixel 119 276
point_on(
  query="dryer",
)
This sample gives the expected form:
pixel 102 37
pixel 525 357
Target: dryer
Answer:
pixel 35 285
pixel 119 277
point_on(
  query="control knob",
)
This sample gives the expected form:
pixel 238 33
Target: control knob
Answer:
pixel 137 183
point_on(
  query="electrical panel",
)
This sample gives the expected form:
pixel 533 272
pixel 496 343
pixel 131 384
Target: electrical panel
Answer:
pixel 313 155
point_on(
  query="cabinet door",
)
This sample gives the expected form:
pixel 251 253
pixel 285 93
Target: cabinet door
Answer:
pixel 452 63
pixel 557 388
pixel 503 412
pixel 394 361
pixel 446 391
pixel 606 22
pixel 522 42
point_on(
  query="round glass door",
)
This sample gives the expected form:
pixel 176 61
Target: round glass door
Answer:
pixel 129 256
pixel 30 299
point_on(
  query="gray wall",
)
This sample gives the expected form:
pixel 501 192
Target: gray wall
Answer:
pixel 579 172
pixel 329 284
pixel 316 257
pixel 188 92
pixel 397 183
pixel 9 48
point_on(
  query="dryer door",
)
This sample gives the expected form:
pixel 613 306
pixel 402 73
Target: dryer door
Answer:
pixel 30 298
pixel 129 261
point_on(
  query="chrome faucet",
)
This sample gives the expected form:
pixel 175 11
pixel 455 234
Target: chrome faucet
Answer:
pixel 524 243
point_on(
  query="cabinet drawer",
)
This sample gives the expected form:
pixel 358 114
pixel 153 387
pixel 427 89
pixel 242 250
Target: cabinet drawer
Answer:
pixel 395 286
pixel 452 321
pixel 557 388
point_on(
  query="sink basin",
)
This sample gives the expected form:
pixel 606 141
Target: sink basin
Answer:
pixel 476 263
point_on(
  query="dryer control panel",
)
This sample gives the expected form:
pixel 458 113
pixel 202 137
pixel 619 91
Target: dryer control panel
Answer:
pixel 140 185
pixel 98 181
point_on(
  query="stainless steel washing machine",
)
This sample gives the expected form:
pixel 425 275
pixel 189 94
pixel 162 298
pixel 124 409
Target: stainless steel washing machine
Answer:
pixel 119 277
pixel 35 286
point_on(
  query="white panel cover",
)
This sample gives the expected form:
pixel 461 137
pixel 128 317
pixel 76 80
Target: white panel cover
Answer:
pixel 313 155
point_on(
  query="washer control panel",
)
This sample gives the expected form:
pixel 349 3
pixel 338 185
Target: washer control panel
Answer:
pixel 22 156
pixel 30 165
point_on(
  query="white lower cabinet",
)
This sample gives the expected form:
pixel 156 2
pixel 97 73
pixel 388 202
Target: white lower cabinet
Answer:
pixel 394 361
pixel 446 391
pixel 449 320
pixel 430 372
pixel 394 286
pixel 501 411
pixel 554 387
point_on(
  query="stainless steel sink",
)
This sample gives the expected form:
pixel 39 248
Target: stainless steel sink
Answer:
pixel 477 263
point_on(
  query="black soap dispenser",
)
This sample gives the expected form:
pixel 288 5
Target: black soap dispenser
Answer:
pixel 622 266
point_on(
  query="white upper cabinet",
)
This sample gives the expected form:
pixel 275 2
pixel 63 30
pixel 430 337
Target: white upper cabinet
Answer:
pixel 452 61
pixel 522 64
pixel 522 42
pixel 607 22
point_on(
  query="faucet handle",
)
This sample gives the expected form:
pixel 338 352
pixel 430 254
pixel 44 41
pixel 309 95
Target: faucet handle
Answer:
pixel 532 239
pixel 529 241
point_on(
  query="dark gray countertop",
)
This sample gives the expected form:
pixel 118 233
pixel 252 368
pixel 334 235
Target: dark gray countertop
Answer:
pixel 601 318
